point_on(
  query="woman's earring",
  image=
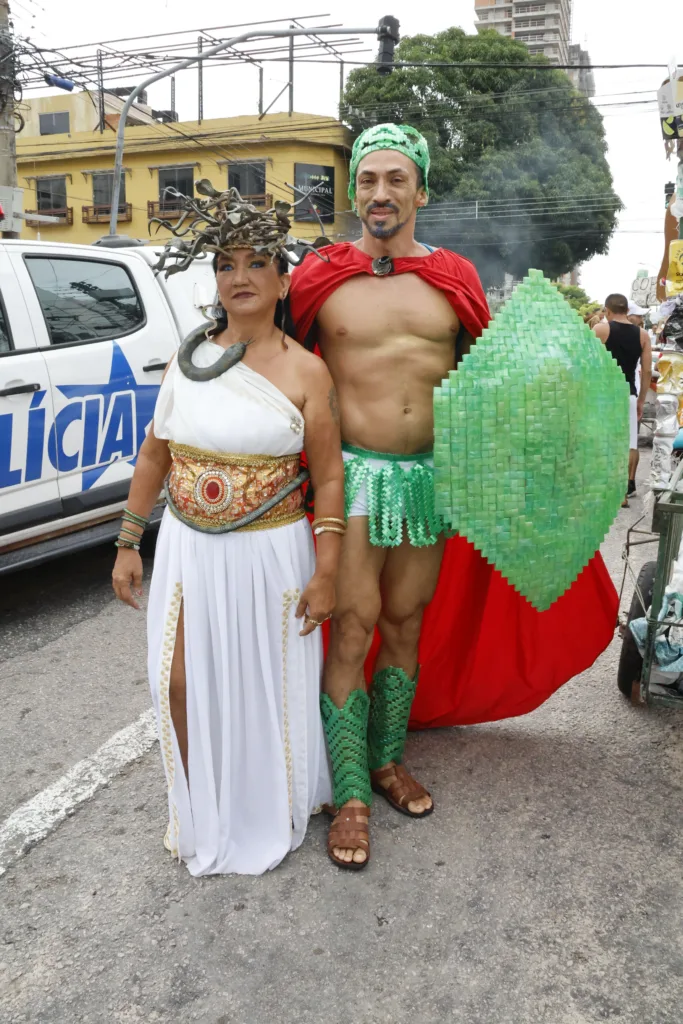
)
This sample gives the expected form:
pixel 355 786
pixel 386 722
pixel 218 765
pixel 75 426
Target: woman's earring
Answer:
pixel 212 311
pixel 282 324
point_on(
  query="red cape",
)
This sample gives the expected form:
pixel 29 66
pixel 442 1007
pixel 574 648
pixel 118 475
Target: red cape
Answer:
pixel 485 652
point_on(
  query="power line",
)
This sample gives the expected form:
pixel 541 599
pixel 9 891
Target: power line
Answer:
pixel 192 33
pixel 549 209
pixel 272 131
pixel 232 135
pixel 473 243
pixel 273 183
pixel 565 89
pixel 204 140
pixel 517 66
pixel 172 127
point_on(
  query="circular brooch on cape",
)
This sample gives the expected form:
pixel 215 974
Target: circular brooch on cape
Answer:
pixel 213 491
pixel 382 265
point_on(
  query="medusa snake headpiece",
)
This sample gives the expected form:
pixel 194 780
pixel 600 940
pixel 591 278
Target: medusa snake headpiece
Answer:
pixel 221 222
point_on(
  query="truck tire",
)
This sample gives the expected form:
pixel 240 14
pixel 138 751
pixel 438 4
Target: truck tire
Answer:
pixel 630 662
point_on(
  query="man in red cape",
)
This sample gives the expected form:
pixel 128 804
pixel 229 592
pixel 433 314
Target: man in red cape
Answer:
pixel 391 317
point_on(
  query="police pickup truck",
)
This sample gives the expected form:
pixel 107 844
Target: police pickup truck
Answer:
pixel 85 334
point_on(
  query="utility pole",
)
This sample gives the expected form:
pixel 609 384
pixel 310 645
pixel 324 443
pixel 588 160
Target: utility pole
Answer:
pixel 291 73
pixel 100 92
pixel 200 83
pixel 8 148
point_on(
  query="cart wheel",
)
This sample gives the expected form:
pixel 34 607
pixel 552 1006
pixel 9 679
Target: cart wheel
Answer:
pixel 630 662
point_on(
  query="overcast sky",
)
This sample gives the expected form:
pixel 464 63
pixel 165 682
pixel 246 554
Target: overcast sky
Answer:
pixel 628 32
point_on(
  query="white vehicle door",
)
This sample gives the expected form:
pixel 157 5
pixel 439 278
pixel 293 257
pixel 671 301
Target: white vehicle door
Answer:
pixel 189 292
pixel 29 493
pixel 107 335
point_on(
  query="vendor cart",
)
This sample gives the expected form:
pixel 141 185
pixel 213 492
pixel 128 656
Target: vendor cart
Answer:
pixel 640 678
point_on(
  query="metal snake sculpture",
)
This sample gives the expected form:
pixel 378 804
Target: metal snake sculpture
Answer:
pixel 221 222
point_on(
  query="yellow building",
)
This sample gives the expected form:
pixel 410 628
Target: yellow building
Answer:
pixel 69 174
pixel 69 113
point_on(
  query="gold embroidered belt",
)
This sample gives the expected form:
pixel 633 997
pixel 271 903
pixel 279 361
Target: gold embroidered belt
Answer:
pixel 216 492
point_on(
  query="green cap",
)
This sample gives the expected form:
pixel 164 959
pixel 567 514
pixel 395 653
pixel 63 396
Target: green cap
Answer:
pixel 400 137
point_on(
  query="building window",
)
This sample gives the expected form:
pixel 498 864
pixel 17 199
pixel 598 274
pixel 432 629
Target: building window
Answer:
pixel 54 124
pixel 102 187
pixel 5 335
pixel 51 193
pixel 249 178
pixel 85 300
pixel 51 201
pixel 181 179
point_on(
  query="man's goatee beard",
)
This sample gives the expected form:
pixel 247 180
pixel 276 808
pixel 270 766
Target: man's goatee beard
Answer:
pixel 381 231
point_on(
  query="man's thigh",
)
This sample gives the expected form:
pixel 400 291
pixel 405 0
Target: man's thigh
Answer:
pixel 360 566
pixel 408 579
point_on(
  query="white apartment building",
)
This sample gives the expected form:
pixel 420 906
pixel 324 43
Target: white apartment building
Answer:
pixel 544 26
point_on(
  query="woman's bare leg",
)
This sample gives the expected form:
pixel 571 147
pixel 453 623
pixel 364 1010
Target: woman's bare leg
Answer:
pixel 177 694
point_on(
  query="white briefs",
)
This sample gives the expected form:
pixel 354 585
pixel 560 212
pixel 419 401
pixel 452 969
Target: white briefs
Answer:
pixel 359 505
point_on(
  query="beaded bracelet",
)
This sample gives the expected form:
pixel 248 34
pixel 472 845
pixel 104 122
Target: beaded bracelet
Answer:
pixel 130 533
pixel 131 522
pixel 126 544
pixel 128 524
pixel 133 517
pixel 130 538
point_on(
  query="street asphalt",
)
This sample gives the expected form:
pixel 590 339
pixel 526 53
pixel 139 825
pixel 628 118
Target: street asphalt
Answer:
pixel 546 888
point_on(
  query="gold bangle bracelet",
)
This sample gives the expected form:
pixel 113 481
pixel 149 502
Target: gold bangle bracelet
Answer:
pixel 328 529
pixel 329 519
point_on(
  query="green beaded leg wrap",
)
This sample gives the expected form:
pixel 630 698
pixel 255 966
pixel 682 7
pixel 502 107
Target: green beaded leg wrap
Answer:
pixel 346 730
pixel 390 701
pixel 398 495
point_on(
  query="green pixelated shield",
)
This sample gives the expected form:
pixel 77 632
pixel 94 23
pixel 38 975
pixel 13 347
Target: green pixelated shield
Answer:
pixel 531 443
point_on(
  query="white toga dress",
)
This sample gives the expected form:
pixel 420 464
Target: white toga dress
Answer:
pixel 257 759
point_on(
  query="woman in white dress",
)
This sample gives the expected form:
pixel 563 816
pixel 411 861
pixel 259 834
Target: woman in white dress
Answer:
pixel 237 593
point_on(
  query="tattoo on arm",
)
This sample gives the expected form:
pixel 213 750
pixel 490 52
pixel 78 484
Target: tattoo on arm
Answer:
pixel 333 403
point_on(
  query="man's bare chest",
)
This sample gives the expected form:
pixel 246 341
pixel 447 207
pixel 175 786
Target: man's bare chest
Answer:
pixel 369 309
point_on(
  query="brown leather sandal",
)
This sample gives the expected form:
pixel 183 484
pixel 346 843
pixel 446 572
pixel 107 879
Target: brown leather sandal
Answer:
pixel 402 791
pixel 349 831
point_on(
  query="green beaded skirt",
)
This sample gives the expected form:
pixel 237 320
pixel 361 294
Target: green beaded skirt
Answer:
pixel 399 493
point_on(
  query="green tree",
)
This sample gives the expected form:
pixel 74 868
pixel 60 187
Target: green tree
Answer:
pixel 578 299
pixel 589 310
pixel 575 296
pixel 519 177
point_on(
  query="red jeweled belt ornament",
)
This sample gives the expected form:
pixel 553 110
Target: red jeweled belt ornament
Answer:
pixel 213 491
pixel 208 489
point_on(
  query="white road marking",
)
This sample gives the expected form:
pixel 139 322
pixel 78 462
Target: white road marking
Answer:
pixel 35 819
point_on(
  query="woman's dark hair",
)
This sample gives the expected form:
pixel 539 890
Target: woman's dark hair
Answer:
pixel 282 317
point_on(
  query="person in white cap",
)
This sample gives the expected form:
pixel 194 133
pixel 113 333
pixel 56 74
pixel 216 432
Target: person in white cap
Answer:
pixel 636 314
